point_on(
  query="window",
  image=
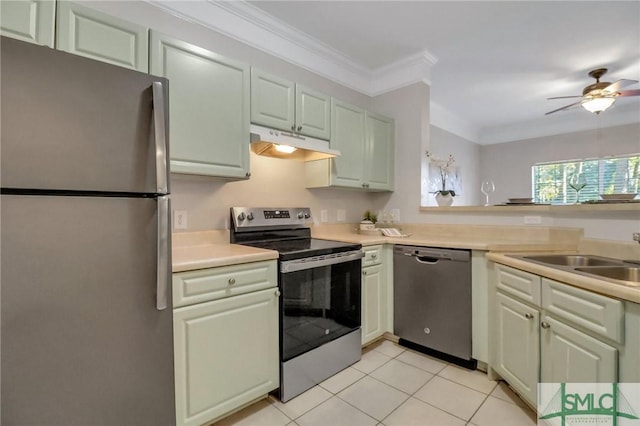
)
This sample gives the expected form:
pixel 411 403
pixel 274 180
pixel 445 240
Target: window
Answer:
pixel 604 176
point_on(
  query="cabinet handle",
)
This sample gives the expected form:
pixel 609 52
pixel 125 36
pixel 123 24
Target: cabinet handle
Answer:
pixel 248 174
pixel 545 324
pixel 374 256
pixel 232 281
pixel 299 128
pixel 528 315
pixel 278 293
pixel 293 128
pixel 364 272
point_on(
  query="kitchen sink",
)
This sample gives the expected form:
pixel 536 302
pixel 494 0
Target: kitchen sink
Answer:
pixel 573 260
pixel 629 274
pixel 612 270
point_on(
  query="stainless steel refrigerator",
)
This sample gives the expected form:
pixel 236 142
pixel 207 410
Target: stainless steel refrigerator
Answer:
pixel 86 315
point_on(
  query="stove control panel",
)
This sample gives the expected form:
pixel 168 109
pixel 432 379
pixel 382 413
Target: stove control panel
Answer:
pixel 260 217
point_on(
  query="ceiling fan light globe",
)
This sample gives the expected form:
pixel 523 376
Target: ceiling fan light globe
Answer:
pixel 599 104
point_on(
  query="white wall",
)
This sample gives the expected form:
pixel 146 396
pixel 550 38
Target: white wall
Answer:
pixel 409 107
pixel 467 156
pixel 509 164
pixel 274 181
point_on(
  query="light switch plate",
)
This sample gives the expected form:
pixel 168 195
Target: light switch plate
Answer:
pixel 324 216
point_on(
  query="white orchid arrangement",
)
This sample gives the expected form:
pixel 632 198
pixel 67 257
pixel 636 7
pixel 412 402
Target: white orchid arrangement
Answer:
pixel 446 167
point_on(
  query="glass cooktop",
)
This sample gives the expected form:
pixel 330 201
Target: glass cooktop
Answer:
pixel 305 247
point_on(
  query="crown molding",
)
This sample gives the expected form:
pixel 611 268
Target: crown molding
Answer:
pixel 250 25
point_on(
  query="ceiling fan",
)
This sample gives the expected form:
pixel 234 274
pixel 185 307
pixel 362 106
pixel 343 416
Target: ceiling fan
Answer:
pixel 599 96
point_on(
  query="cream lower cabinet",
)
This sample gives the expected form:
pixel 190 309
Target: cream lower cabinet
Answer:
pixel 570 356
pixel 376 298
pixel 550 332
pixel 226 349
pixel 518 345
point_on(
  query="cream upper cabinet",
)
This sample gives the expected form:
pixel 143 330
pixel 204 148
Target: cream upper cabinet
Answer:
pixel 379 153
pixel 272 101
pixel 86 32
pixel 28 20
pixel 366 144
pixel 348 135
pixel 281 104
pixel 313 113
pixel 209 108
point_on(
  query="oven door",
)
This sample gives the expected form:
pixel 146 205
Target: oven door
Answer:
pixel 321 300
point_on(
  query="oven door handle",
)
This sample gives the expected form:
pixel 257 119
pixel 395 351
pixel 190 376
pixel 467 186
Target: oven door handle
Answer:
pixel 319 261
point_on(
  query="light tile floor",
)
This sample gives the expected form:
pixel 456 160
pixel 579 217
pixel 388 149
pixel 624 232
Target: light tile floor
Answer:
pixel 394 386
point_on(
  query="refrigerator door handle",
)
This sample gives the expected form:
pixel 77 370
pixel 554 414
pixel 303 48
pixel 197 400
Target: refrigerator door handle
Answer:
pixel 164 254
pixel 160 121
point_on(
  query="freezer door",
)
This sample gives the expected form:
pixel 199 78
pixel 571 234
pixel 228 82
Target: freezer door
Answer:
pixel 83 341
pixel 72 123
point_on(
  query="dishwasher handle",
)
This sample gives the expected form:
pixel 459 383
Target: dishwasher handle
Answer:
pixel 428 260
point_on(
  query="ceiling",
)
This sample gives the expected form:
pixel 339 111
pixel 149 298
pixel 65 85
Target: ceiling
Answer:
pixel 490 64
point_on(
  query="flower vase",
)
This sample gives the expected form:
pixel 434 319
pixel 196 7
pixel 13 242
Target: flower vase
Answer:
pixel 444 200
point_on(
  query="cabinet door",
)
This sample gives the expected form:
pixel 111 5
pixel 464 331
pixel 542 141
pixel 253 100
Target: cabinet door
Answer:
pixel 209 108
pixel 373 303
pixel 518 345
pixel 28 20
pixel 379 164
pixel 98 36
pixel 347 136
pixel 569 355
pixel 272 101
pixel 226 355
pixel 313 113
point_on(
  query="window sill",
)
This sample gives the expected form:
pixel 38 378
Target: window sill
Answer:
pixel 552 209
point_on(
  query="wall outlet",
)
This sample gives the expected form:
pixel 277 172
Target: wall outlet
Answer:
pixel 342 215
pixel 324 216
pixel 395 213
pixel 179 219
pixel 532 220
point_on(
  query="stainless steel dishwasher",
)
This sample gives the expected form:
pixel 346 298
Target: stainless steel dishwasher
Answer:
pixel 432 301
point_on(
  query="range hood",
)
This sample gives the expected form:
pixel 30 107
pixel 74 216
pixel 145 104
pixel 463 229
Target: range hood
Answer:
pixel 287 145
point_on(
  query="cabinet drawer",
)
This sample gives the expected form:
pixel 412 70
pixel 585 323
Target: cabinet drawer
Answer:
pixel 217 283
pixel 520 284
pixel 596 313
pixel 372 256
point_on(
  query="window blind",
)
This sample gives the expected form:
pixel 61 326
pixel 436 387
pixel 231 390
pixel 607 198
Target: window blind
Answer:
pixel 604 176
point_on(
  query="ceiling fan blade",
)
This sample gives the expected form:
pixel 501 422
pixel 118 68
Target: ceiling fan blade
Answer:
pixel 615 87
pixel 565 97
pixel 564 107
pixel 635 92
